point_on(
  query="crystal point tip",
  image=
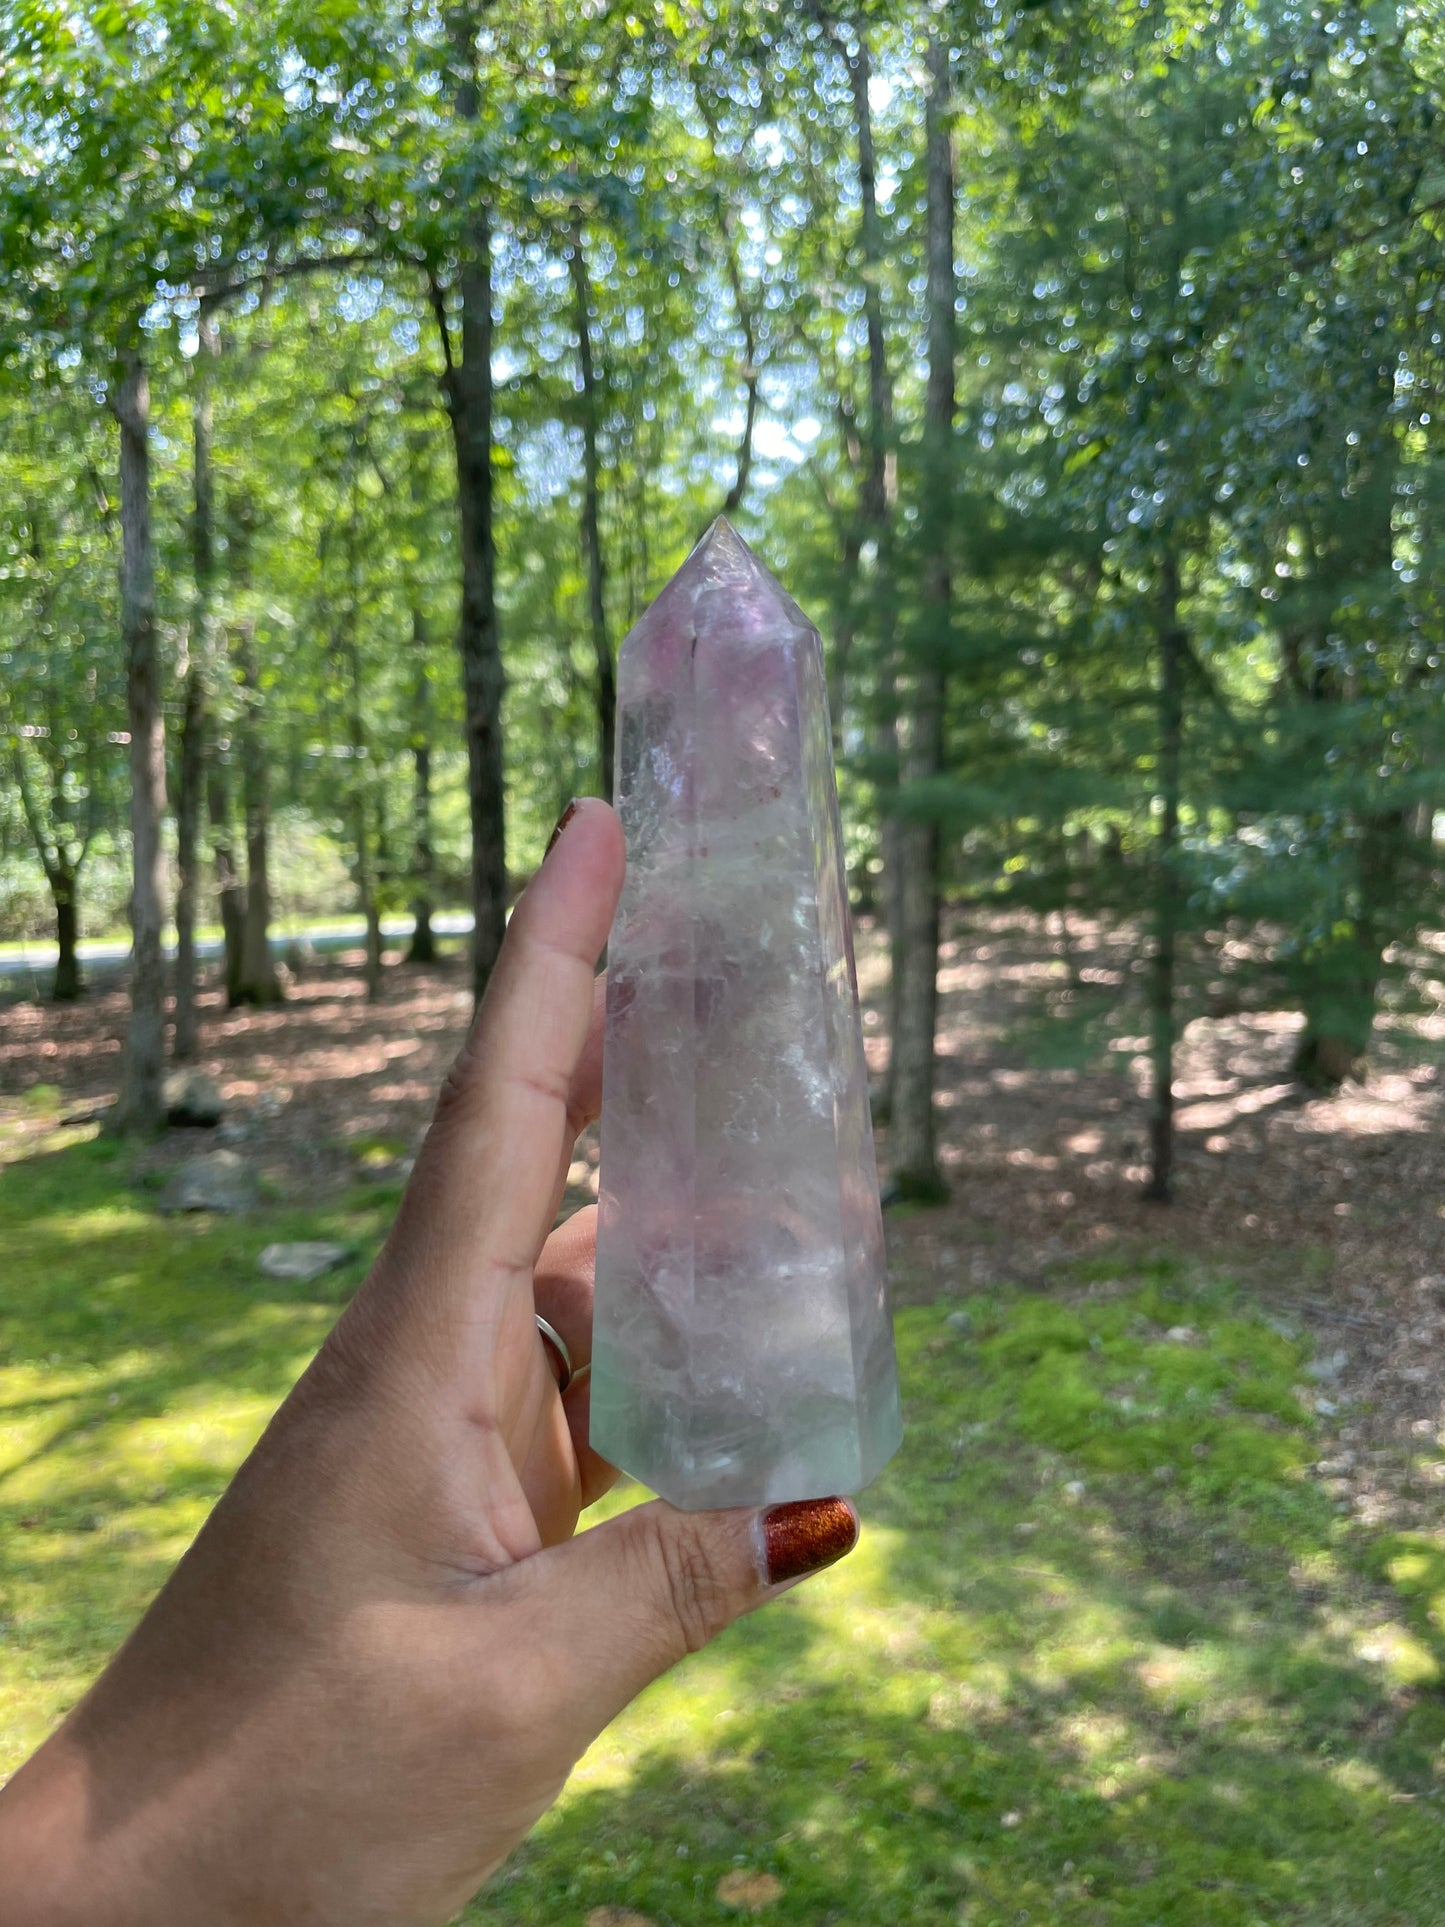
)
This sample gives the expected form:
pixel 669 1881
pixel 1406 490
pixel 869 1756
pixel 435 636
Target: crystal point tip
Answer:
pixel 719 529
pixel 721 543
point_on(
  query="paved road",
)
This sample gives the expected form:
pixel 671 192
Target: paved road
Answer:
pixel 25 966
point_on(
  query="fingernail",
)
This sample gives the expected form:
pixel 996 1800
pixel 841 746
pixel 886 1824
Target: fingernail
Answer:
pixel 562 822
pixel 805 1537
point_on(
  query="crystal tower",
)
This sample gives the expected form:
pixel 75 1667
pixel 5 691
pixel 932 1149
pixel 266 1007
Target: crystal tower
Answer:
pixel 742 1349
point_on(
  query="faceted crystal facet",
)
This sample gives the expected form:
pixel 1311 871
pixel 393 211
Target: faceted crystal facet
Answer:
pixel 742 1349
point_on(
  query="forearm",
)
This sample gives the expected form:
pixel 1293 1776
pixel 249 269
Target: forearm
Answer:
pixel 82 1845
pixel 111 1822
pixel 52 1860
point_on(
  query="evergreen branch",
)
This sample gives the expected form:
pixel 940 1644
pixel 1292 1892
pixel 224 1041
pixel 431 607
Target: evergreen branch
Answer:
pixel 1206 681
pixel 1363 236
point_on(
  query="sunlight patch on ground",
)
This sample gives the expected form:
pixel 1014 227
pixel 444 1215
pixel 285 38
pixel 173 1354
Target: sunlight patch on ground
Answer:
pixel 1108 1650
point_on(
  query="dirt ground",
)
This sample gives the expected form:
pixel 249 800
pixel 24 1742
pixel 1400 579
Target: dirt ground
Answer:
pixel 1331 1209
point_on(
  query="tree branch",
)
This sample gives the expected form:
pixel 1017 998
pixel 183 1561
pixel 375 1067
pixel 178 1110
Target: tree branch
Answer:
pixel 48 853
pixel 1301 262
pixel 439 310
pixel 224 290
pixel 746 319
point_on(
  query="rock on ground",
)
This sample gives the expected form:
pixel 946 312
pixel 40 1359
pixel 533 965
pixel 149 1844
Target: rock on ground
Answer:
pixel 217 1181
pixel 304 1261
pixel 192 1097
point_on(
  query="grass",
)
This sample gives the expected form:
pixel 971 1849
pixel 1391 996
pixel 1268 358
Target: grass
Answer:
pixel 139 1359
pixel 1107 1657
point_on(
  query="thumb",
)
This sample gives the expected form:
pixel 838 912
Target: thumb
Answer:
pixel 619 1604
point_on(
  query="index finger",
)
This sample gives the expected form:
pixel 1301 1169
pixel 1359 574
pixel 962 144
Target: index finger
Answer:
pixel 483 1195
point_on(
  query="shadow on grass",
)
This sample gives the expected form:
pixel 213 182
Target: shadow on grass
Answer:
pixel 139 1359
pixel 94 1275
pixel 859 1815
pixel 1109 1685
pixel 1107 1657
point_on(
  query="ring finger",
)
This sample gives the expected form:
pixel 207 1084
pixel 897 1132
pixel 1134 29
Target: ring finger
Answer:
pixel 562 1290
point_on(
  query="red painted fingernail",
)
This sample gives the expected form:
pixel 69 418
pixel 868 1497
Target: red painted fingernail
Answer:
pixel 805 1537
pixel 562 822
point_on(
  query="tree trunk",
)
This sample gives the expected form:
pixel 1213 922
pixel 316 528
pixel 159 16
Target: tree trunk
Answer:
pixel 733 500
pixel 1338 1001
pixel 363 789
pixel 592 521
pixel 469 395
pixel 422 949
pixel 467 388
pixel 725 207
pixel 229 887
pixel 1167 890
pixel 880 484
pixel 876 503
pixel 185 1038
pixel 1340 990
pixel 62 866
pixel 914 1156
pixel 374 958
pixel 68 985
pixel 1351 567
pixel 367 895
pixel 890 847
pixel 140 1107
pixel 258 983
pixel 845 631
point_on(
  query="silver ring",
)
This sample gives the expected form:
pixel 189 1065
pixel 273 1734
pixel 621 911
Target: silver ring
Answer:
pixel 555 1339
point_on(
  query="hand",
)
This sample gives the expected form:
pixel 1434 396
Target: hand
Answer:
pixel 382 1656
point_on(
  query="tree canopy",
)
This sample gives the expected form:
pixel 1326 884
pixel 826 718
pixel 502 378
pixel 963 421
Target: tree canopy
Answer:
pixel 439 334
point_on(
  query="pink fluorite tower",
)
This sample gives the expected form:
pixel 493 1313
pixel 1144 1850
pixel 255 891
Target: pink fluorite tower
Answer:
pixel 742 1347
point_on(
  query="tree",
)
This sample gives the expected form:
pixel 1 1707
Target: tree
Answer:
pixel 1173 644
pixel 141 1105
pixel 197 677
pixel 592 516
pixel 1346 370
pixel 914 1155
pixel 60 695
pixel 1133 602
pixel 85 227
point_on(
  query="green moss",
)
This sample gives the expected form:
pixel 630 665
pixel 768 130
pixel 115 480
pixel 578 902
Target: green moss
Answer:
pixel 375 1153
pixel 1106 1657
pixel 1413 1563
pixel 139 1359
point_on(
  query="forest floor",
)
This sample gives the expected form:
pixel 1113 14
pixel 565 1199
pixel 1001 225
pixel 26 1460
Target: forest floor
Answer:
pixel 1149 1622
